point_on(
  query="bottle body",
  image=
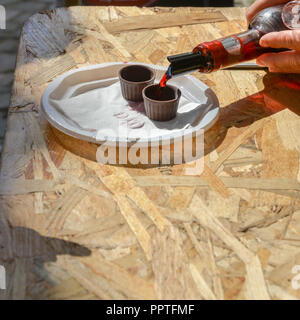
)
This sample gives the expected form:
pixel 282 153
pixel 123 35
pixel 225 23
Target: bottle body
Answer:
pixel 221 53
pixel 244 46
pixel 224 52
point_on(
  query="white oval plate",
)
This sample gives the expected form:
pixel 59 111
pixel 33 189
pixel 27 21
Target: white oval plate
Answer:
pixel 105 74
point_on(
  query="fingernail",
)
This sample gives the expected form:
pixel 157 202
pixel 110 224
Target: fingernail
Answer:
pixel 262 43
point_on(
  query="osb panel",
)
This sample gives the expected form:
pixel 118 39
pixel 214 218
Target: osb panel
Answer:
pixel 74 229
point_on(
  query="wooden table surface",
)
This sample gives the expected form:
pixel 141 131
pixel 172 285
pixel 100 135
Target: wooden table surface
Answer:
pixel 71 228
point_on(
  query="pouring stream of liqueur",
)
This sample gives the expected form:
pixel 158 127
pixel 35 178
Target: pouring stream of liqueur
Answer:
pixel 167 76
pixel 162 84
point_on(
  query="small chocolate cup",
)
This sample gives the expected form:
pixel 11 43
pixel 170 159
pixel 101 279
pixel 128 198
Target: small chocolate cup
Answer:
pixel 133 79
pixel 161 104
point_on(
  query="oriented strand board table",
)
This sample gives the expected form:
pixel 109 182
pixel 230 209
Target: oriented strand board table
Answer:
pixel 71 228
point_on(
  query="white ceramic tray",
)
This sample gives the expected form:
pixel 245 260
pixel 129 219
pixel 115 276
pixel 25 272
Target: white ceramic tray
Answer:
pixel 98 76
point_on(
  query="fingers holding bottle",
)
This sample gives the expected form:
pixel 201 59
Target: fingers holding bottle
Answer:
pixel 289 39
pixel 283 62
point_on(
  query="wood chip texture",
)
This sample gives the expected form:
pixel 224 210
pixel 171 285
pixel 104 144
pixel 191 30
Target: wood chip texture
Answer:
pixel 71 228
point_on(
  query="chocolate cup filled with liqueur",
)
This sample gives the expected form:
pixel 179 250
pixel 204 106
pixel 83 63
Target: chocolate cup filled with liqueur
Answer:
pixel 161 103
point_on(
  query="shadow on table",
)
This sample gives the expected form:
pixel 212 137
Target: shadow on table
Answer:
pixel 281 91
pixel 30 252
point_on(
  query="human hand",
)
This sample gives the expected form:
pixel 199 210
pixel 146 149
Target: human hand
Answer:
pixel 259 5
pixel 285 62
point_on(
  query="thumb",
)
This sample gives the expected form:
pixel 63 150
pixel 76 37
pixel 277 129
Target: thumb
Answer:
pixel 289 39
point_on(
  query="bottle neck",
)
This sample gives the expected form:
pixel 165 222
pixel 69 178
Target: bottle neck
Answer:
pixel 185 63
pixel 230 50
pixel 233 49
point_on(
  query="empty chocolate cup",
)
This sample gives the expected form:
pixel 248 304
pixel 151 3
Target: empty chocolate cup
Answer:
pixel 161 104
pixel 134 78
